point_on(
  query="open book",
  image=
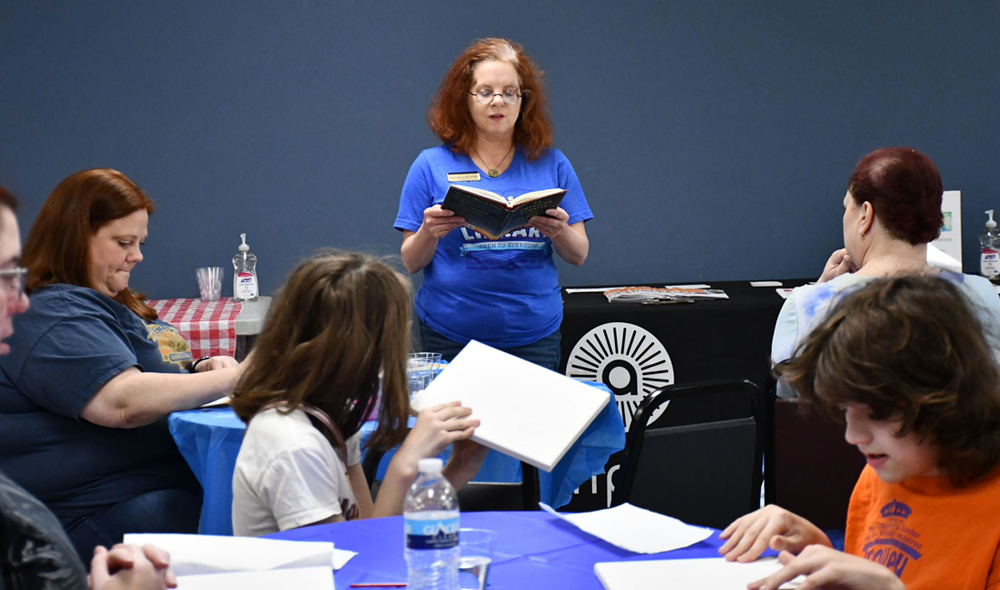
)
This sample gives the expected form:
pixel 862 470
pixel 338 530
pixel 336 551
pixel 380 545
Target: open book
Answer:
pixel 525 411
pixel 493 215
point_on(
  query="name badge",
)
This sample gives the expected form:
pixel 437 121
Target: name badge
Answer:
pixel 463 177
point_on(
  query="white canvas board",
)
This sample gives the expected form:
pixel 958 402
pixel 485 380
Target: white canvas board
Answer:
pixel 636 529
pixel 308 578
pixel 530 413
pixel 208 554
pixel 950 240
pixel 687 574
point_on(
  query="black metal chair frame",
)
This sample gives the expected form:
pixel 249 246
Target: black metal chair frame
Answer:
pixel 634 442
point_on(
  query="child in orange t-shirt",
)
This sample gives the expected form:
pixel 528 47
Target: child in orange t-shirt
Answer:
pixel 905 364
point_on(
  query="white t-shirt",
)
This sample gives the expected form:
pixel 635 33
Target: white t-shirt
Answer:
pixel 287 475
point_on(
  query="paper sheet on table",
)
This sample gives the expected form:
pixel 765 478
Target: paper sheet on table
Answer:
pixel 208 554
pixel 636 529
pixel 765 283
pixel 525 411
pixel 589 289
pixel 304 578
pixel 686 574
pixel 695 286
pixel 784 292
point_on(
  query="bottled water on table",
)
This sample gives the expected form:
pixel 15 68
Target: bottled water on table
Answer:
pixel 430 513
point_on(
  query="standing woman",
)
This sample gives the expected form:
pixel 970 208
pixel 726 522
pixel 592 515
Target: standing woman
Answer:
pixel 491 114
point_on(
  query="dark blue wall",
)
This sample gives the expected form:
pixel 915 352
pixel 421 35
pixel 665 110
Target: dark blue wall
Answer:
pixel 713 139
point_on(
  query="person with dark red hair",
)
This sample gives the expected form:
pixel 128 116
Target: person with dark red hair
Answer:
pixel 892 210
pixel 491 115
pixel 92 373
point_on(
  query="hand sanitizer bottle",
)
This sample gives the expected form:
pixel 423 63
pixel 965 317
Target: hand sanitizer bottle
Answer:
pixel 245 275
pixel 989 242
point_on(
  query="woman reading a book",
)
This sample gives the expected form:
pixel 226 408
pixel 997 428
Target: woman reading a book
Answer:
pixel 491 115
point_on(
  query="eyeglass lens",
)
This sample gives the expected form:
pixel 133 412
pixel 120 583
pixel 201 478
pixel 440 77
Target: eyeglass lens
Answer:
pixel 485 96
pixel 13 280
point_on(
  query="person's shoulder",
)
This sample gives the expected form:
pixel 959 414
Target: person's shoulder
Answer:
pixel 275 429
pixel 72 298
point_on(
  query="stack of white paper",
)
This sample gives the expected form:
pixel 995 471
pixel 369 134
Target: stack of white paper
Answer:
pixel 223 561
pixel 527 412
pixel 302 578
pixel 686 574
pixel 636 529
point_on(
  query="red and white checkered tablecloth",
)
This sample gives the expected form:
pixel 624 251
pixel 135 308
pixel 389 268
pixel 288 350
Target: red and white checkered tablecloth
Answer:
pixel 208 326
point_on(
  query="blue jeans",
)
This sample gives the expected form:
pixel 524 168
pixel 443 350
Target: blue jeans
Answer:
pixel 161 511
pixel 544 353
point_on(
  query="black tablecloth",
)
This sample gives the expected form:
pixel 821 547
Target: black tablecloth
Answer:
pixel 635 349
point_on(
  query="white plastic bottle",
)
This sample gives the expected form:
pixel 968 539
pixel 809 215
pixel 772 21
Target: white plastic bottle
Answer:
pixel 989 242
pixel 245 286
pixel 430 513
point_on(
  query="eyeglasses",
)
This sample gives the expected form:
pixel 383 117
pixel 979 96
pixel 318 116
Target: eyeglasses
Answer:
pixel 13 281
pixel 485 96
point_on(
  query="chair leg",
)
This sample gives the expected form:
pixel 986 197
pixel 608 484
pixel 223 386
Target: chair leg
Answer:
pixel 530 491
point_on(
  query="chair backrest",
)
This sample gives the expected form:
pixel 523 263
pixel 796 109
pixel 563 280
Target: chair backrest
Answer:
pixel 705 472
pixel 809 468
pixel 475 496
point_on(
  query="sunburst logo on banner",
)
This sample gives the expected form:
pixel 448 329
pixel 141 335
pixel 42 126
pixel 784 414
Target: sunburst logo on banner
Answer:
pixel 628 359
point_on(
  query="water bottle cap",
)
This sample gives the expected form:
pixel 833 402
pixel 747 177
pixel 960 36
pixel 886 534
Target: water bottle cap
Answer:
pixel 430 465
pixel 243 246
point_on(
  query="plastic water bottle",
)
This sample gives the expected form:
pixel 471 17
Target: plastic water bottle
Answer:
pixel 245 285
pixel 430 513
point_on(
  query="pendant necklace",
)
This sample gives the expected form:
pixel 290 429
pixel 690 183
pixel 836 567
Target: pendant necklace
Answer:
pixel 493 172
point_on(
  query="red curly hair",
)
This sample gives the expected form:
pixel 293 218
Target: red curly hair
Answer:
pixel 449 116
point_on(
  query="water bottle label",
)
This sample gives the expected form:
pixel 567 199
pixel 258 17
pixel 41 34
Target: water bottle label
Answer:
pixel 431 534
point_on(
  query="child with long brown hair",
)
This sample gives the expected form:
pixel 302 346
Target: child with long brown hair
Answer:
pixel 339 328
pixel 905 363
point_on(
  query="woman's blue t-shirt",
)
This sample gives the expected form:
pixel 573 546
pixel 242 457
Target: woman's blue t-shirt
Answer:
pixel 504 293
pixel 70 342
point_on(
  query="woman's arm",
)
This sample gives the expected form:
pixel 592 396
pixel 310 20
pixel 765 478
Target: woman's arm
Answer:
pixel 418 247
pixel 570 241
pixel 134 398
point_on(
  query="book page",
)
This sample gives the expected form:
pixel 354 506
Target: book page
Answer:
pixel 527 412
pixel 492 196
pixel 533 195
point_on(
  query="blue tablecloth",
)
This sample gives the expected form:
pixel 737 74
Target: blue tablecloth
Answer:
pixel 210 441
pixel 532 550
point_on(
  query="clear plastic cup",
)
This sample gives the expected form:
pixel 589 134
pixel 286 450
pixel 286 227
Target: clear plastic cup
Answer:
pixel 475 555
pixel 210 282
pixel 421 368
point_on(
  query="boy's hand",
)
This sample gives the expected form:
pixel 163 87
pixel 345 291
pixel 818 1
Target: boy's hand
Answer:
pixel 771 526
pixel 824 567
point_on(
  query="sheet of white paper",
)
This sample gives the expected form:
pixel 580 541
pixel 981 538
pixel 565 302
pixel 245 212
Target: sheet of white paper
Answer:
pixel 207 554
pixel 765 283
pixel 949 241
pixel 688 286
pixel 784 292
pixel 304 578
pixel 941 259
pixel 222 401
pixel 530 413
pixel 590 289
pixel 636 529
pixel 686 574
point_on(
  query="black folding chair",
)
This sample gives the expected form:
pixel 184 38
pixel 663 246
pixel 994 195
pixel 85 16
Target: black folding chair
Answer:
pixel 704 471
pixel 809 468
